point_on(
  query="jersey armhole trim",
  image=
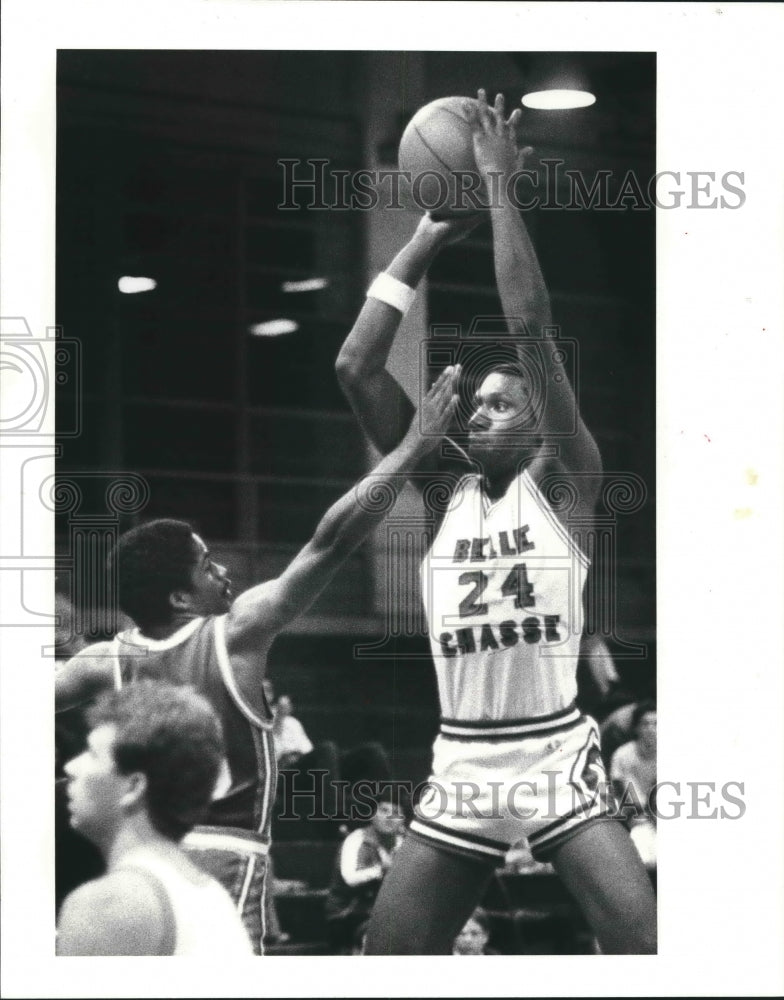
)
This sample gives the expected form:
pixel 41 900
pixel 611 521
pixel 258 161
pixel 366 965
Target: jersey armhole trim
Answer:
pixel 169 939
pixel 227 673
pixel 547 510
pixel 116 667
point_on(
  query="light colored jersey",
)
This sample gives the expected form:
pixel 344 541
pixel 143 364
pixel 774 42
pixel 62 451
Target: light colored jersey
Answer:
pixel 502 587
pixel 196 655
pixel 201 919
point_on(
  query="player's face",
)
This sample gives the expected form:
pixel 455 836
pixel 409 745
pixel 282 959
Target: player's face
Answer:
pixel 471 940
pixel 95 787
pixel 502 409
pixel 646 729
pixel 210 585
pixel 388 819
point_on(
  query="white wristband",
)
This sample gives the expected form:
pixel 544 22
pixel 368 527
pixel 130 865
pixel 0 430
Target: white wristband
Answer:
pixel 395 293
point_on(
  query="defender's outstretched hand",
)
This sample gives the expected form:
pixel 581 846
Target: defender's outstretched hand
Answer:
pixel 432 419
pixel 495 137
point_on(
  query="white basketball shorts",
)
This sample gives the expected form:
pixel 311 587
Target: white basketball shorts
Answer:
pixel 494 783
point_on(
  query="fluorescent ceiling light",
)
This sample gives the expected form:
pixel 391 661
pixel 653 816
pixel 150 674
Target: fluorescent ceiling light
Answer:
pixel 307 285
pixel 132 286
pixel 551 100
pixel 273 328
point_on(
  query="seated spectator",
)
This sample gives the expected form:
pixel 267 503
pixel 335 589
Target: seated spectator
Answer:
pixel 617 729
pixel 597 676
pixel 473 938
pixel 364 858
pixel 291 740
pixel 325 765
pixel 633 774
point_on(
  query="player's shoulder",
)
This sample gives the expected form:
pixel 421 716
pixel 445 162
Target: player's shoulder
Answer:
pixel 95 651
pixel 560 486
pixel 96 660
pixel 121 913
pixel 624 753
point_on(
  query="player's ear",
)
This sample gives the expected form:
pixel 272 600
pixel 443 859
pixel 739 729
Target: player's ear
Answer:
pixel 180 600
pixel 137 790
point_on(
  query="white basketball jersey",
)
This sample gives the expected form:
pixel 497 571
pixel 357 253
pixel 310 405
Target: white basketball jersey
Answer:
pixel 206 921
pixel 502 587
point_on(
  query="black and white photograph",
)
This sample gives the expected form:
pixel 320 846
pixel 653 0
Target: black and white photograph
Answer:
pixel 379 457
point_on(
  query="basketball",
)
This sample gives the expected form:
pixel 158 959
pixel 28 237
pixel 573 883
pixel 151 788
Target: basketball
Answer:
pixel 437 150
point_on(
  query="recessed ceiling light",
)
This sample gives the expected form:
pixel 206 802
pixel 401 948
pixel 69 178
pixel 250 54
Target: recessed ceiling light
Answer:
pixel 133 285
pixel 551 100
pixel 306 285
pixel 273 327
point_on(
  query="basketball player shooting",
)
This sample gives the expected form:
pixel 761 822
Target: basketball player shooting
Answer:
pixel 191 631
pixel 504 578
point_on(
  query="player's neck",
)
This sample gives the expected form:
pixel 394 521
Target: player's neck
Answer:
pixel 498 475
pixel 174 624
pixel 136 834
pixel 496 483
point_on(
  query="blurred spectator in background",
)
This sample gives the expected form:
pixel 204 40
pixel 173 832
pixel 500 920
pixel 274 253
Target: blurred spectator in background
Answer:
pixel 358 944
pixel 364 858
pixel 520 861
pixel 473 938
pixel 291 740
pixel 324 764
pixel 633 774
pixel 597 678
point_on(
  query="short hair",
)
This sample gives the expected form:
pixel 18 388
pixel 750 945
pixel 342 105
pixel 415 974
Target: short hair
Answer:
pixel 642 708
pixel 172 735
pixel 507 368
pixel 151 561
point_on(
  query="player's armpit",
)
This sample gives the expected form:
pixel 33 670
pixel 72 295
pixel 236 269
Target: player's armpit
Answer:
pixel 120 914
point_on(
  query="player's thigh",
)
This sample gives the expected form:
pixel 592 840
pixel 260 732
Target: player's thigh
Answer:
pixel 602 869
pixel 424 901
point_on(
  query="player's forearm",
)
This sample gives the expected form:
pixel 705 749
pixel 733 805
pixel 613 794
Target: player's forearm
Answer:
pixel 367 346
pixel 357 512
pixel 521 285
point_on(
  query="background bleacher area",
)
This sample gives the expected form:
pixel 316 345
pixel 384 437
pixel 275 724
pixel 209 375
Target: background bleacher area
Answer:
pixel 530 913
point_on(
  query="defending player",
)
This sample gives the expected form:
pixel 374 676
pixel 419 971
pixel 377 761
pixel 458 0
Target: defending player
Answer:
pixel 503 586
pixel 190 631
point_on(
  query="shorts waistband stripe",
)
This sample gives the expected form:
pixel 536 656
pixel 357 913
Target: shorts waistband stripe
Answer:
pixel 509 728
pixel 218 839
